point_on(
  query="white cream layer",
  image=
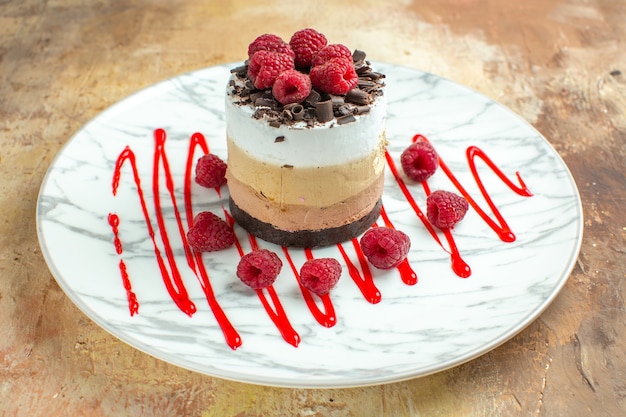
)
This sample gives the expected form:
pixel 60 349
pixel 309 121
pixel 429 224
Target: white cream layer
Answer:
pixel 320 145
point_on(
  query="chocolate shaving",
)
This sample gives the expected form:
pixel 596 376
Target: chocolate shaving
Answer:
pixel 337 101
pixel 357 96
pixel 242 69
pixel 348 118
pixel 361 109
pixel 293 111
pixel 313 98
pixel 358 55
pixel 264 102
pixel 324 111
pixel 279 139
pixel 345 109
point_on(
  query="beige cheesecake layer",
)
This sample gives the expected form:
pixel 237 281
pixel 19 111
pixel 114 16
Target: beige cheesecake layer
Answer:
pixel 292 198
pixel 291 185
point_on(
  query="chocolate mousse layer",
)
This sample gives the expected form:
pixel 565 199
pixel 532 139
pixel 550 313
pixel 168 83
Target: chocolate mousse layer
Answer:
pixel 304 238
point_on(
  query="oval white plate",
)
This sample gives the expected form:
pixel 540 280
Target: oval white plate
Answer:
pixel 440 322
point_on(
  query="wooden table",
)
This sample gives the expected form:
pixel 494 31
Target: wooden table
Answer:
pixel 560 64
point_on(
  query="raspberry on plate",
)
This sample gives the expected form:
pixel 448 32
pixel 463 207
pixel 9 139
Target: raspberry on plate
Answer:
pixel 335 76
pixel 335 50
pixel 320 275
pixel 384 247
pixel 419 161
pixel 305 43
pixel 211 171
pixel 269 42
pixel 259 269
pixel 444 209
pixel 210 233
pixel 291 86
pixel 264 67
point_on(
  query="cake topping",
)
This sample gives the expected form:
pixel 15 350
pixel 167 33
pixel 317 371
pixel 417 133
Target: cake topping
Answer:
pixel 266 66
pixel 291 87
pixel 419 161
pixel 331 51
pixel 211 171
pixel 320 275
pixel 210 233
pixel 444 209
pixel 305 43
pixel 272 43
pixel 384 247
pixel 336 75
pixel 259 269
pixel 324 111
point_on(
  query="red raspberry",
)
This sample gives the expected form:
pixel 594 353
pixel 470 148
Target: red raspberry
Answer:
pixel 419 161
pixel 444 209
pixel 271 43
pixel 385 247
pixel 291 86
pixel 335 76
pixel 211 171
pixel 320 275
pixel 210 233
pixel 265 67
pixel 331 51
pixel 305 43
pixel 259 269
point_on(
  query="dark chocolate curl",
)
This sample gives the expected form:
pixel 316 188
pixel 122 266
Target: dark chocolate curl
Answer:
pixel 337 101
pixel 296 110
pixel 324 111
pixel 264 102
pixel 348 118
pixel 313 98
pixel 362 109
pixel 357 96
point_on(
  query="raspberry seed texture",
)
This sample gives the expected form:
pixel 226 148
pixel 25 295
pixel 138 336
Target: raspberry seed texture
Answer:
pixel 211 171
pixel 419 161
pixel 335 76
pixel 445 209
pixel 305 43
pixel 259 269
pixel 210 233
pixel 331 51
pixel 291 86
pixel 384 247
pixel 320 275
pixel 266 66
pixel 269 42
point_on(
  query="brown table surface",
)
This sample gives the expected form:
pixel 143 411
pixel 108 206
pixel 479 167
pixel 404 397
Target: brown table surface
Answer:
pixel 560 64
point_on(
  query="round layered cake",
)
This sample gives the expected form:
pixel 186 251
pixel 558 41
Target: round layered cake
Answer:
pixel 308 173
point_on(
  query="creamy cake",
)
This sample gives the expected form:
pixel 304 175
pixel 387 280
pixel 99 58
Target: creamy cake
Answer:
pixel 306 174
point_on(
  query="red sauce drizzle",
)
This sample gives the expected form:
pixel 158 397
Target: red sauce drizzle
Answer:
pixel 364 282
pixel 233 339
pixel 114 222
pixel 133 304
pixel 459 266
pixel 408 275
pixel 275 309
pixel 269 299
pixel 326 318
pixel 173 283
